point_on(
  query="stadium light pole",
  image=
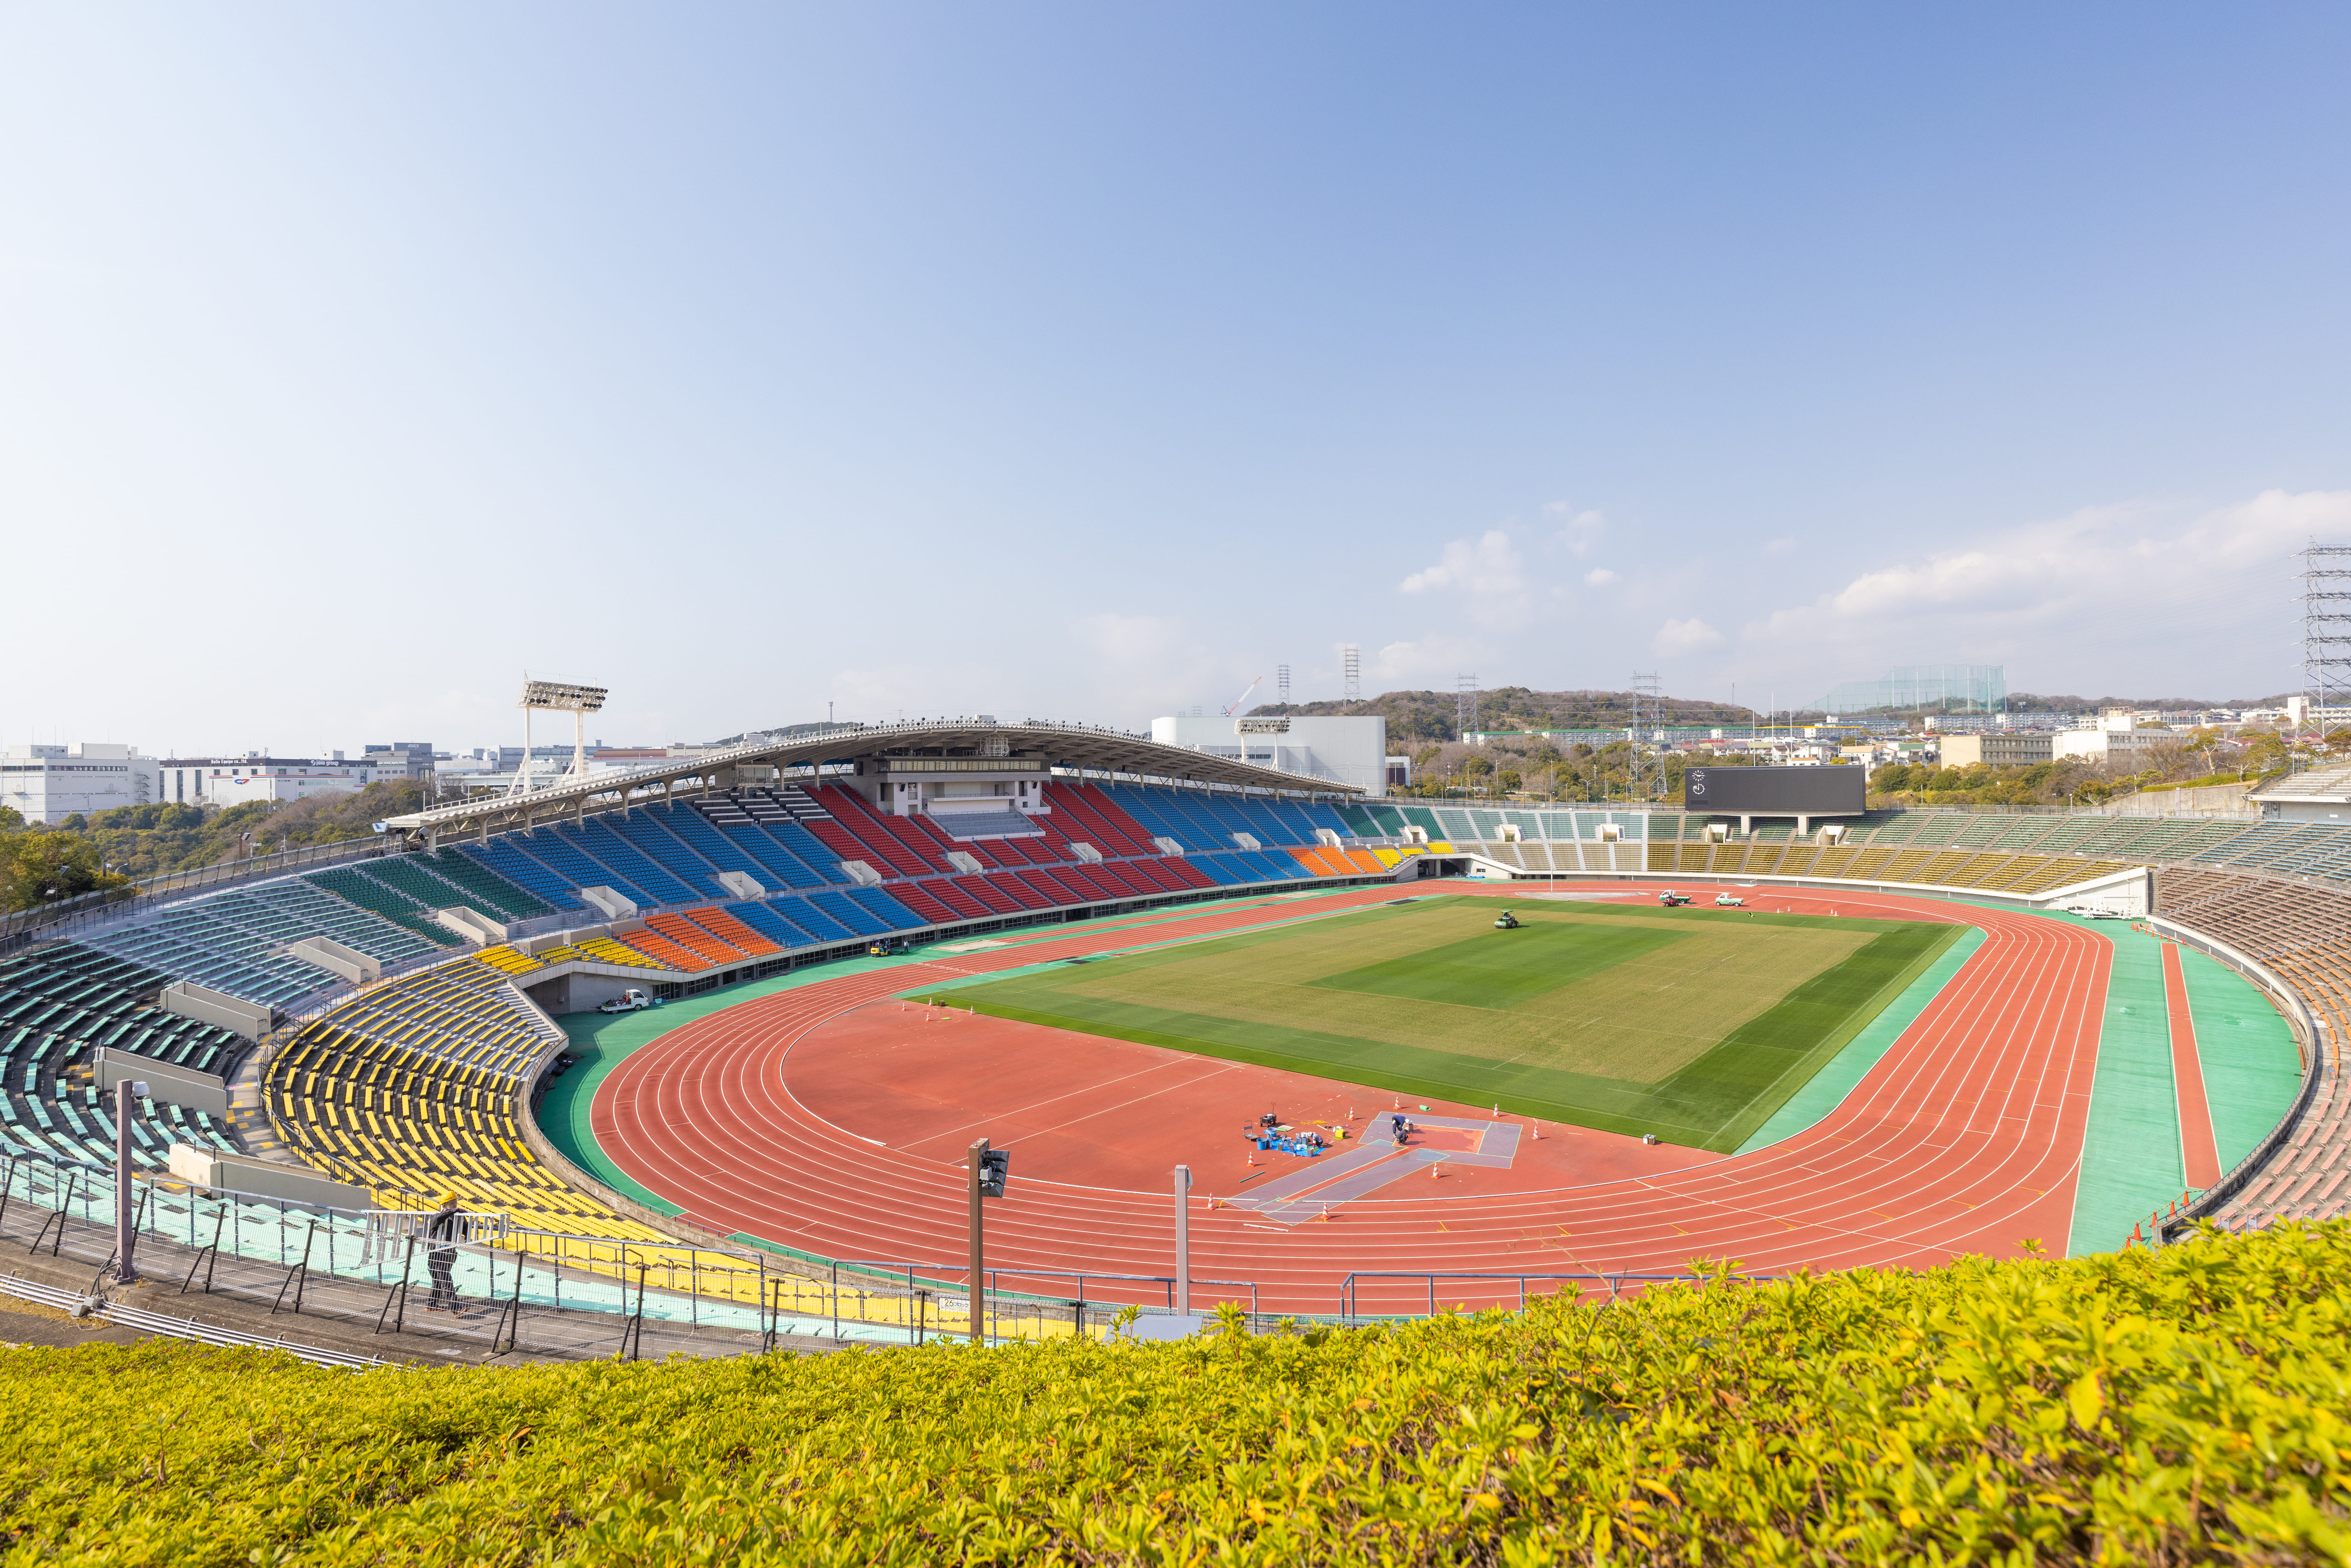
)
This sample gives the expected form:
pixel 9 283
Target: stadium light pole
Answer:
pixel 973 1159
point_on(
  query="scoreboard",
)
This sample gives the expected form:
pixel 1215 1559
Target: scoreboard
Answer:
pixel 1831 790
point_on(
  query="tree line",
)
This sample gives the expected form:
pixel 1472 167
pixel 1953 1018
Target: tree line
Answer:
pixel 114 849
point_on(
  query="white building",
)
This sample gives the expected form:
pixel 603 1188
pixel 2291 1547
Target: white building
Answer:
pixel 234 780
pixel 50 783
pixel 1346 748
pixel 2116 737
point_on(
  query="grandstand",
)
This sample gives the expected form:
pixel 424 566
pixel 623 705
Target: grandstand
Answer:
pixel 2303 933
pixel 697 873
pixel 416 1087
pixel 58 1010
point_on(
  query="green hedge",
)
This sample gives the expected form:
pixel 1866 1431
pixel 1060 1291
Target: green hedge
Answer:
pixel 2186 1405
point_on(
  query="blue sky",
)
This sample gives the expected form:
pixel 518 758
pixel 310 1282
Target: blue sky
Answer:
pixel 1085 362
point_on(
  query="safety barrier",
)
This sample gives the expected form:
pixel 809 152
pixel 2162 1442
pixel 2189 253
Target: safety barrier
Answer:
pixel 1351 1305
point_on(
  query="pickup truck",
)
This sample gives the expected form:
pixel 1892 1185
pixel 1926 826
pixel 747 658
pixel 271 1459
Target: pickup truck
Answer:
pixel 1673 900
pixel 1728 901
pixel 629 1001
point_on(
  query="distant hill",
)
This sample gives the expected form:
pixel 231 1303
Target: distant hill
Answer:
pixel 2027 702
pixel 1429 715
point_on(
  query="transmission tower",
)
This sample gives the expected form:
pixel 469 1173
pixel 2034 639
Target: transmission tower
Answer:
pixel 1464 704
pixel 2326 629
pixel 1351 663
pixel 1648 712
pixel 1282 684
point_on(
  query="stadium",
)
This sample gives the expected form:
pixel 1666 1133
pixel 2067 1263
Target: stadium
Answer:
pixel 1250 1039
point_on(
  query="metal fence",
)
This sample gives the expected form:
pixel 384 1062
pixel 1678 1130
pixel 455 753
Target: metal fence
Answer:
pixel 487 1258
pixel 1469 1290
pixel 68 915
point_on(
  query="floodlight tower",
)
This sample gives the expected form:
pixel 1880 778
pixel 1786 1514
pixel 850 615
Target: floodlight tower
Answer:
pixel 1649 709
pixel 558 696
pixel 2326 630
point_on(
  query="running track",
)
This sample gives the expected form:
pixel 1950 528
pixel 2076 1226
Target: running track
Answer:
pixel 1965 1138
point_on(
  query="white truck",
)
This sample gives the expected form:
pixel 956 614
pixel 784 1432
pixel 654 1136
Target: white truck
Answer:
pixel 630 1000
pixel 1728 901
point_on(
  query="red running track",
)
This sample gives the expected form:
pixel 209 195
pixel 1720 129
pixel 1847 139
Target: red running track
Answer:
pixel 1965 1137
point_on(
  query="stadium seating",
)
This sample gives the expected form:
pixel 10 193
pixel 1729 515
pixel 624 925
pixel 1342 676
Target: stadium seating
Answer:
pixel 232 941
pixel 483 889
pixel 500 858
pixel 695 938
pixel 78 998
pixel 653 945
pixel 555 853
pixel 411 1088
pixel 601 838
pixel 723 925
pixel 355 885
pixel 2304 933
pixel 58 1007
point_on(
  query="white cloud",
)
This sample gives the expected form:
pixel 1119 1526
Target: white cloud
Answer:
pixel 1675 637
pixel 1779 547
pixel 2157 598
pixel 1487 572
pixel 1600 577
pixel 1578 531
pixel 1489 566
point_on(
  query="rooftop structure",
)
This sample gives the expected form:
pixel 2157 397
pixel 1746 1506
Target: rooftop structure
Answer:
pixel 866 756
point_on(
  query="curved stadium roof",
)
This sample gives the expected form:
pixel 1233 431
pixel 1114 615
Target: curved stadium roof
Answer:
pixel 1074 748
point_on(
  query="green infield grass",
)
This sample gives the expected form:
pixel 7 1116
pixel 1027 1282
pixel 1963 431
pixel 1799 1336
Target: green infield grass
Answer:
pixel 1693 1024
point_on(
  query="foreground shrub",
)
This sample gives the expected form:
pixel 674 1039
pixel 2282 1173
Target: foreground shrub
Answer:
pixel 2179 1407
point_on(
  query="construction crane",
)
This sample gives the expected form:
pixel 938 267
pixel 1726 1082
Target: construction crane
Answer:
pixel 1244 696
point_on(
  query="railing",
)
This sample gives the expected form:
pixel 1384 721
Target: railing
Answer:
pixel 1351 1308
pixel 114 904
pixel 1022 1314
pixel 491 1259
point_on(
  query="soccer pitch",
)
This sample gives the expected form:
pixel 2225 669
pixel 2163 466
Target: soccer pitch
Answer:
pixel 1693 1024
